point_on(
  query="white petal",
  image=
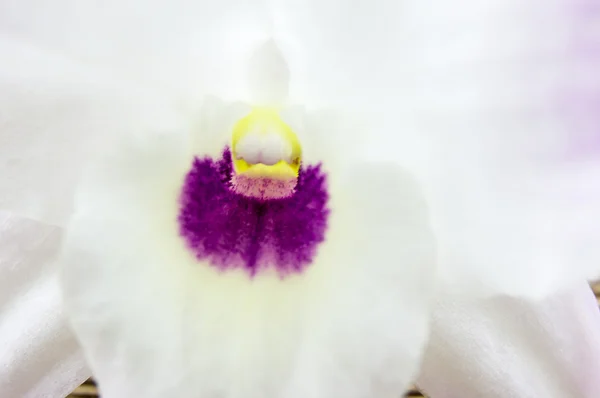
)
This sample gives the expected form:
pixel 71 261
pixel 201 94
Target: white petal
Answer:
pixel 188 48
pixel 54 115
pixel 213 124
pixel 516 209
pixel 39 356
pixel 268 75
pixel 506 93
pixel 154 321
pixel 334 135
pixel 507 347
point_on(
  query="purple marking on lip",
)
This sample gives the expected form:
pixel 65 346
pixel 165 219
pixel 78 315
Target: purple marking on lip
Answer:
pixel 230 230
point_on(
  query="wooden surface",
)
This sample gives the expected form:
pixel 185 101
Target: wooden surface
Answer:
pixel 89 389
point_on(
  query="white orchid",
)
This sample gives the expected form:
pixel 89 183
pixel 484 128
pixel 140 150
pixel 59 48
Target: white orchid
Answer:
pixel 256 195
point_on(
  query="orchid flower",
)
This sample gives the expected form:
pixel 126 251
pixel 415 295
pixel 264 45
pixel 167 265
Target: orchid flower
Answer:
pixel 260 198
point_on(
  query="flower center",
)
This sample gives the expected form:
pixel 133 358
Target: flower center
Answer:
pixel 266 156
pixel 256 206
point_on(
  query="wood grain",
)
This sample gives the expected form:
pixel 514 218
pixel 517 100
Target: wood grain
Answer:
pixel 89 390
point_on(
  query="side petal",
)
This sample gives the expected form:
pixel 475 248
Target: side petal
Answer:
pixel 54 115
pixel 39 355
pixel 509 347
pixel 503 95
pixel 187 48
pixel 156 321
pixel 515 205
